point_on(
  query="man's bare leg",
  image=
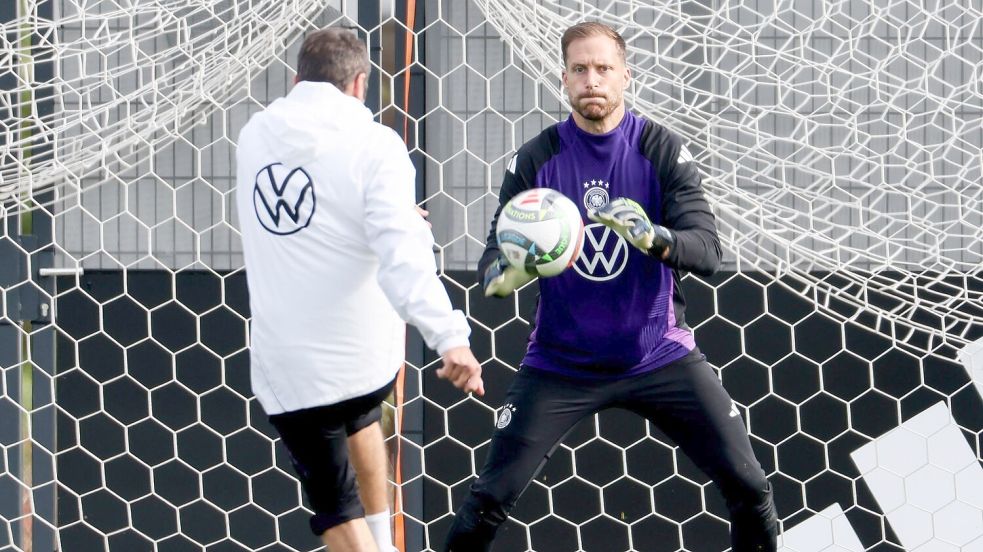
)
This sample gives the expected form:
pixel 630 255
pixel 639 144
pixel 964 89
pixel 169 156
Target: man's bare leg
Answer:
pixel 368 456
pixel 351 536
pixel 367 452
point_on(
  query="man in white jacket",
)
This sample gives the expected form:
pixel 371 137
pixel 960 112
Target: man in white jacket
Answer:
pixel 337 257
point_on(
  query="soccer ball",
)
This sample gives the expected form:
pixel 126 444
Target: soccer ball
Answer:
pixel 540 231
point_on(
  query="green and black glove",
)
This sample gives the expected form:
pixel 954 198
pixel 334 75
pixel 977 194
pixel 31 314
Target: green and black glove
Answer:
pixel 627 218
pixel 501 278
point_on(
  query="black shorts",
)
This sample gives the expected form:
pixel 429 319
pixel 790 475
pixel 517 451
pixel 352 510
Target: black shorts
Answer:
pixel 316 439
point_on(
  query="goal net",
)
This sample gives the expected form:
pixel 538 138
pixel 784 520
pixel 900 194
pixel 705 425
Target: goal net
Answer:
pixel 841 145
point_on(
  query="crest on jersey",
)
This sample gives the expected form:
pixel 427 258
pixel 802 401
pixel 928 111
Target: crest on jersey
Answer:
pixel 604 255
pixel 283 199
pixel 595 194
pixel 505 417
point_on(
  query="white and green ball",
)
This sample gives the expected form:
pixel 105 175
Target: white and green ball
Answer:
pixel 540 231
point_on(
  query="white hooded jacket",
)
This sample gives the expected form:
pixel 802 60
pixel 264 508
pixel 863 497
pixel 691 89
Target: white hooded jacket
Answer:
pixel 336 255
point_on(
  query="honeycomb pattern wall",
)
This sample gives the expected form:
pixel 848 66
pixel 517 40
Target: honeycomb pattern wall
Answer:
pixel 126 418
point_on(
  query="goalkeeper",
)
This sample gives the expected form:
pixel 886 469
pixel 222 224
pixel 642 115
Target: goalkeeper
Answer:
pixel 612 332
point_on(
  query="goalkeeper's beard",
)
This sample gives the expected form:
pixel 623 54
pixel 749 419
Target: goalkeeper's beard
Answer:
pixel 589 108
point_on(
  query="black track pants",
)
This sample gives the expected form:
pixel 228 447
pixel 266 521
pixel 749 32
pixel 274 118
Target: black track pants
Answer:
pixel 684 399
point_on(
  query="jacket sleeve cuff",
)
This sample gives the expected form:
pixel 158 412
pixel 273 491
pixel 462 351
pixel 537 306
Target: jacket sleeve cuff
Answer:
pixel 448 343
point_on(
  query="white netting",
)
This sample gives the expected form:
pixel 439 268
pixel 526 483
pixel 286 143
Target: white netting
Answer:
pixel 841 144
pixel 128 75
pixel 837 136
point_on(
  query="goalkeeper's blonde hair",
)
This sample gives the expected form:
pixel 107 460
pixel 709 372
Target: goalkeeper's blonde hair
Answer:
pixel 588 29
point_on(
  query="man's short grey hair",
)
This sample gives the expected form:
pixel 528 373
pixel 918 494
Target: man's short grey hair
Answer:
pixel 334 55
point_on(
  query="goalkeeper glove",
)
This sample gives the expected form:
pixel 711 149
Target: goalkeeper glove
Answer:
pixel 628 219
pixel 501 278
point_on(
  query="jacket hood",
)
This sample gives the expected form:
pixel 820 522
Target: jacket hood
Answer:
pixel 301 125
